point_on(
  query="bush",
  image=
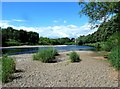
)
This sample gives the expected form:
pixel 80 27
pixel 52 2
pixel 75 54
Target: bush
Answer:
pixel 114 57
pixel 46 55
pixel 98 46
pixel 74 57
pixel 8 67
pixel 111 42
pixel 12 42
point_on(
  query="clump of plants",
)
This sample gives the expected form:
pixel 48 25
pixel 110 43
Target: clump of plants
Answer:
pixel 114 57
pixel 74 57
pixel 46 55
pixel 111 42
pixel 8 68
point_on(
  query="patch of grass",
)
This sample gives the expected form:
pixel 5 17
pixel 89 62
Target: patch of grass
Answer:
pixel 102 53
pixel 46 55
pixel 74 57
pixel 114 57
pixel 8 67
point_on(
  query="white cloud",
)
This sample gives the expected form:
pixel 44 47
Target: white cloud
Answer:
pixel 18 20
pixel 55 31
pixel 55 21
pixel 64 21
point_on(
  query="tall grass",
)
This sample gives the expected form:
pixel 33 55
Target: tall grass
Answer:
pixel 114 57
pixel 8 67
pixel 46 55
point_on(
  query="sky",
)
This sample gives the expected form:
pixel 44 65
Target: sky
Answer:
pixel 49 19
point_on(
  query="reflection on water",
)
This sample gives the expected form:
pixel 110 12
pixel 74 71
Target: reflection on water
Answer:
pixel 14 51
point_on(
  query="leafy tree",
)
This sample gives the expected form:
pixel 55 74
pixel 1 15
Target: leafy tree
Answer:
pixel 100 10
pixel 33 37
pixel 23 34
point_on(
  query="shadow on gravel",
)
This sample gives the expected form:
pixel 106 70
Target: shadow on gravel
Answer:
pixel 77 61
pixel 19 71
pixel 55 61
pixel 16 77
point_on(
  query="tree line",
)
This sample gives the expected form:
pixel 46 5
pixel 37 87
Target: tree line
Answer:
pixel 57 41
pixel 14 37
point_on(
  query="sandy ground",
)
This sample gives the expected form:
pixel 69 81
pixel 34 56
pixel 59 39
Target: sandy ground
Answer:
pixel 92 71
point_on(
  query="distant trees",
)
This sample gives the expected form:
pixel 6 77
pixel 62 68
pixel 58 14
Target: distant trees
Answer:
pixel 57 41
pixel 12 37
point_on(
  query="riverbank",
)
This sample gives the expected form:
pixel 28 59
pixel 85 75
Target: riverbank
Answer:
pixel 32 46
pixel 92 71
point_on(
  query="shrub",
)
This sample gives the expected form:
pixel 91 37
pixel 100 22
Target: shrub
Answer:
pixel 74 57
pixel 111 42
pixel 98 46
pixel 114 57
pixel 12 42
pixel 8 67
pixel 46 55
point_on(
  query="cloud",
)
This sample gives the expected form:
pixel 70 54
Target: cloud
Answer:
pixel 64 21
pixel 18 20
pixel 60 21
pixel 56 31
pixel 55 21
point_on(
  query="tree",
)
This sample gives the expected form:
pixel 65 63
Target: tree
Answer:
pixel 23 34
pixel 100 10
pixel 33 37
pixel 105 30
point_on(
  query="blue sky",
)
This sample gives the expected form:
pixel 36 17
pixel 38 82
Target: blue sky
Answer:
pixel 49 19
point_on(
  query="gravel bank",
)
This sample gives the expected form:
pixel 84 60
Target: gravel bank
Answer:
pixel 28 46
pixel 90 72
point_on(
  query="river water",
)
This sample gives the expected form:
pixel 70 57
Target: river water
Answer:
pixel 25 50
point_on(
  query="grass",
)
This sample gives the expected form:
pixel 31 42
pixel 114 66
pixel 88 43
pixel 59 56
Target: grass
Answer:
pixel 102 53
pixel 74 57
pixel 8 68
pixel 114 57
pixel 46 55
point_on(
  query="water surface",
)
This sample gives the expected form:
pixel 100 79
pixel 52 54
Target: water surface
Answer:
pixel 25 50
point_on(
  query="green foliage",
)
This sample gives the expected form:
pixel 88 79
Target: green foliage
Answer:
pixel 57 41
pixel 13 42
pixel 99 10
pixel 98 45
pixel 8 67
pixel 74 57
pixel 114 57
pixel 70 43
pixel 46 55
pixel 103 33
pixel 44 41
pixel 111 42
pixel 15 37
